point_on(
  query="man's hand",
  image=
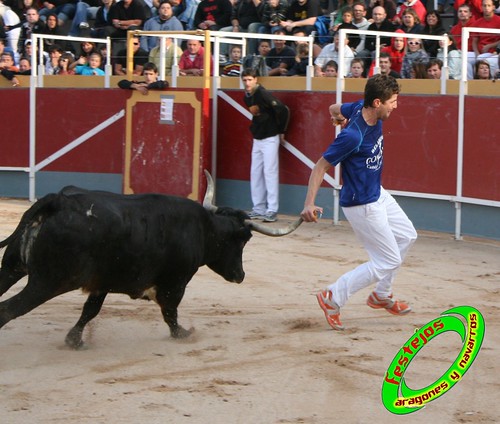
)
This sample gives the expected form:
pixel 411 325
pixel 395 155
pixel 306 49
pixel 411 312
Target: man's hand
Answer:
pixel 311 213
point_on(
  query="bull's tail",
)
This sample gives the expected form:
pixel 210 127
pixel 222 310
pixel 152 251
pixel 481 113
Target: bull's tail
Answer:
pixel 42 208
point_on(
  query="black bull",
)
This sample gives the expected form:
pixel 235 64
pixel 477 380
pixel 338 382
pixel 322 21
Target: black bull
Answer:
pixel 146 246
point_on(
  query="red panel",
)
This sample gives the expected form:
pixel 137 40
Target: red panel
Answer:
pixel 481 176
pixel 65 114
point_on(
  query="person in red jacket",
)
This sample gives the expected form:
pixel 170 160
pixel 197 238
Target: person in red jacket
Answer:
pixel 192 60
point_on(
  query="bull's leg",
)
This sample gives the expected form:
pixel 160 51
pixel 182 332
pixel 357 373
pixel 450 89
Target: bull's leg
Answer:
pixel 169 300
pixel 27 299
pixel 90 310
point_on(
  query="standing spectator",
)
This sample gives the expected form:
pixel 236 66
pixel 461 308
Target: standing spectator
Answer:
pixel 465 19
pixel 85 10
pixel 151 82
pixel 416 5
pixel 12 25
pixel 375 217
pixel 281 58
pixel 433 26
pixel 434 69
pixel 164 21
pixel 331 52
pixel 124 16
pixel 269 122
pixel 232 68
pixel 245 17
pixel 170 52
pixel 357 68
pixel 213 14
pixel 64 9
pixel 51 65
pixel 303 14
pixel 454 58
pixel 414 53
pixel 485 45
pixel 93 67
pixel 482 70
pixel 411 22
pixel 140 57
pixel 63 68
pixel 33 24
pixel 385 65
pixel 192 59
pixel 330 69
pixel 396 52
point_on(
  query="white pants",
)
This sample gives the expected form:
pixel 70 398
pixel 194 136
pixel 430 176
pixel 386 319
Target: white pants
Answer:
pixel 386 233
pixel 264 175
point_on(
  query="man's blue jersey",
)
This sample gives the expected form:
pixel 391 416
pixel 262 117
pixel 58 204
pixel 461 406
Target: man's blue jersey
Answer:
pixel 359 149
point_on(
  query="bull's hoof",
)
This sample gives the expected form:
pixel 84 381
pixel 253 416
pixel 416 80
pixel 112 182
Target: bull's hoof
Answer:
pixel 74 341
pixel 181 333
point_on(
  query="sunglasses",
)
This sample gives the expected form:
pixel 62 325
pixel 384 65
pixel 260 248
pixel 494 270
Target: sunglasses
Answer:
pixel 414 43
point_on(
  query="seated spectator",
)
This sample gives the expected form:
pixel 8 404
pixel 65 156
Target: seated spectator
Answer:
pixel 433 26
pixel 85 10
pixel 24 69
pixel 330 52
pixel 64 9
pixel 434 68
pixel 303 14
pixel 192 59
pixel 124 16
pixel 151 82
pixel 102 24
pixel 385 65
pixel 170 52
pixel 63 67
pixel 213 14
pixel 281 58
pixel 51 28
pixel 32 24
pixel 11 25
pixel 299 32
pixel 330 69
pixel 485 45
pixel 418 70
pixel 245 17
pixel 347 15
pixel 454 58
pixel 86 49
pixel 411 22
pixel 482 70
pixel 55 53
pixel 476 7
pixel 416 5
pixel 357 68
pixel 388 5
pixel 396 52
pixel 93 67
pixel 4 48
pixel 140 57
pixel 274 14
pixel 360 22
pixel 232 68
pixel 164 21
pixel 414 53
pixel 299 68
pixel 258 63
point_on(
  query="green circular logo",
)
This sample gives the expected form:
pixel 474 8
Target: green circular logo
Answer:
pixel 397 397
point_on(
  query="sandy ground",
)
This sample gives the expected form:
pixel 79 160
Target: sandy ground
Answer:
pixel 262 351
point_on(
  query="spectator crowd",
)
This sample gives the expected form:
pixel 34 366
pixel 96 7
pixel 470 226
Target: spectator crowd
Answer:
pixel 402 57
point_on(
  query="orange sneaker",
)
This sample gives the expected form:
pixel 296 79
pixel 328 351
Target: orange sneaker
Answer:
pixel 330 308
pixel 394 307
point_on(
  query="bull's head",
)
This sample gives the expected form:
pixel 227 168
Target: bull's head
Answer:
pixel 260 228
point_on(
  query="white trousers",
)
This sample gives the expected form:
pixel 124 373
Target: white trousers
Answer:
pixel 387 234
pixel 264 175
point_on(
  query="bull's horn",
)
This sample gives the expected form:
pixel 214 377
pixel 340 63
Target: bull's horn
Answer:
pixel 274 232
pixel 209 194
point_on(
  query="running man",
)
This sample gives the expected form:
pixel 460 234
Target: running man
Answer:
pixel 377 220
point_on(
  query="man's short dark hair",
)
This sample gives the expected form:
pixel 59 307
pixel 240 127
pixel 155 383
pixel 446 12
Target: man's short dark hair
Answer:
pixel 433 62
pixel 150 66
pixel 381 87
pixel 249 72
